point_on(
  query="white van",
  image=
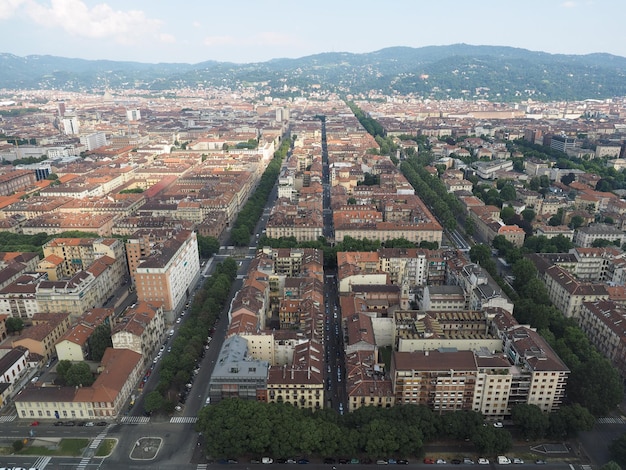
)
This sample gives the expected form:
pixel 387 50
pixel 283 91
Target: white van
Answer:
pixel 503 460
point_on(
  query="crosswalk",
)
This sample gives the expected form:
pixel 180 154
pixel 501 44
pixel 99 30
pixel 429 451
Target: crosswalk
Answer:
pixel 612 420
pixel 202 466
pixel 7 418
pixel 99 438
pixel 41 462
pixel 83 463
pixel 135 420
pixel 585 467
pixel 184 420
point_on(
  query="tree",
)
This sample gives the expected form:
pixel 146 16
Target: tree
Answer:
pixel 14 325
pixel 351 201
pixel 470 226
pixel 79 375
pixel 507 193
pixel 490 440
pixel 568 420
pixel 62 367
pixel 617 449
pixel 479 253
pixel 576 222
pixel 531 421
pixel 99 340
pixel 154 402
pixel 596 385
pixel 507 213
pixel 611 465
pixel 528 215
pixel 524 270
pixel 207 246
pixel 568 179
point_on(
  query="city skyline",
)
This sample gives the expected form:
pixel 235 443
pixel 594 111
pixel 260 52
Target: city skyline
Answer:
pixel 247 31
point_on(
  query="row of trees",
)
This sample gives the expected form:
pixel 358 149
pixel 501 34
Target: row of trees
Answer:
pixel 33 243
pixel 177 367
pixel 348 244
pixel 432 191
pixel 252 210
pixel 235 427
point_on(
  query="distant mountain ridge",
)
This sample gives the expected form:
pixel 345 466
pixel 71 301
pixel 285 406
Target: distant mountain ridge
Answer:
pixel 495 73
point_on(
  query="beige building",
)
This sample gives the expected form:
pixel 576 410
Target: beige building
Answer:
pixel 301 383
pixel 366 383
pixel 119 373
pixel 567 293
pixel 46 330
pixel 167 274
pixel 85 290
pixel 140 330
pixel 603 322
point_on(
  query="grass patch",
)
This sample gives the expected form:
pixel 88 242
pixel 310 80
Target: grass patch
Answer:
pixel 106 447
pixel 67 447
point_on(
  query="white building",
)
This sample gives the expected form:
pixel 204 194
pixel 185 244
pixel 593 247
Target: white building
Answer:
pixel 94 140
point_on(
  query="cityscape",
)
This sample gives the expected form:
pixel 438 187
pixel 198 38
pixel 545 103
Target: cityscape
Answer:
pixel 239 275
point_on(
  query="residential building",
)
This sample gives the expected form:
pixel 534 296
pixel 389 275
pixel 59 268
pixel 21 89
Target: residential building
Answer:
pixel 236 375
pixel 167 274
pixel 140 329
pixel 120 372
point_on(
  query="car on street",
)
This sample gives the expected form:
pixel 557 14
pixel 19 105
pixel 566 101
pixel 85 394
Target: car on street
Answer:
pixel 441 461
pixel 498 424
pixel 381 462
pixel 540 462
pixel 35 423
pixel 517 461
pixel 429 460
pixel 483 461
pixel 101 423
pixel 267 460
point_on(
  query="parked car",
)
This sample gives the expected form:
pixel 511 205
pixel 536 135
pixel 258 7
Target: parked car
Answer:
pixel 441 461
pixel 455 461
pixel 70 423
pixel 58 423
pixel 403 462
pixel 35 423
pixel 429 460
pixel 518 461
pixel 482 461
pixel 329 460
pixel 468 461
pixel 381 462
pixel 498 424
pixel 101 423
pixel 267 460
pixel 540 462
pixel 303 461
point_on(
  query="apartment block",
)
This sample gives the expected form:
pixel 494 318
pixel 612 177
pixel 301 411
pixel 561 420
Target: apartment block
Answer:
pixel 166 274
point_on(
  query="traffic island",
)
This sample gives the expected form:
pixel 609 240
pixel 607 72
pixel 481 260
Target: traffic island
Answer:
pixel 146 448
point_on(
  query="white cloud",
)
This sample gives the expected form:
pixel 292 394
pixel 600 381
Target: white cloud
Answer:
pixel 101 21
pixel 8 7
pixel 167 38
pixel 568 4
pixel 196 24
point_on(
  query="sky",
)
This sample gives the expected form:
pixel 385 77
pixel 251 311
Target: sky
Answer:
pixel 244 31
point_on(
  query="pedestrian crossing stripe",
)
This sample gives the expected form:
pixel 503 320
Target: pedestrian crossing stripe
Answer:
pixel 202 466
pixel 184 420
pixel 135 420
pixel 41 462
pixel 612 420
pixel 83 463
pixel 7 418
